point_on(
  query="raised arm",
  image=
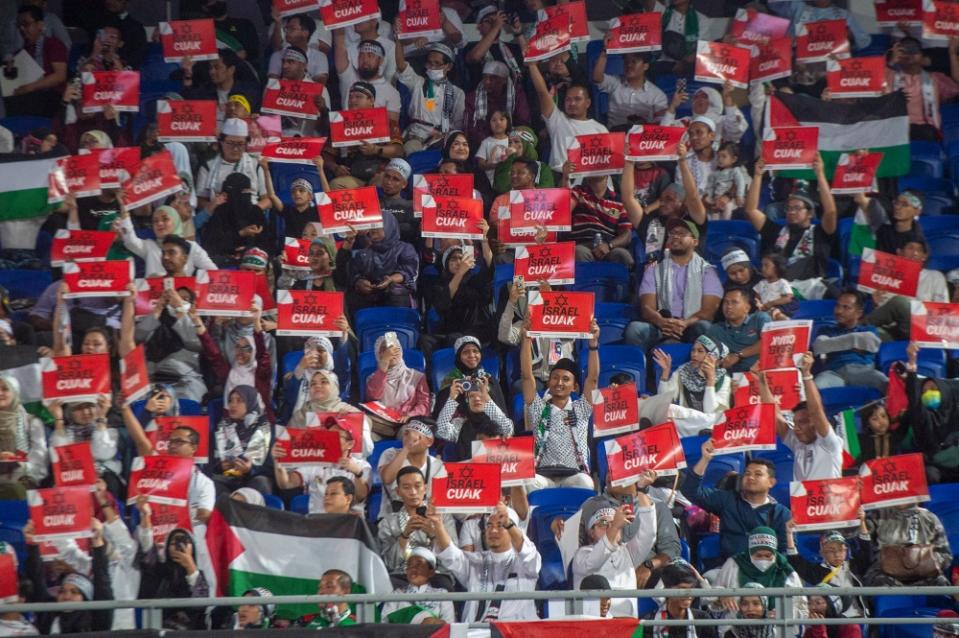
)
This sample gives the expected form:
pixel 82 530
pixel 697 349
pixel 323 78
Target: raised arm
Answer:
pixel 340 58
pixel 825 197
pixel 628 187
pixel 275 202
pixel 756 216
pixel 694 203
pixel 817 412
pixel 599 69
pixel 526 365
pixel 592 365
pixel 478 52
pixel 546 105
pixel 135 429
pixel 127 343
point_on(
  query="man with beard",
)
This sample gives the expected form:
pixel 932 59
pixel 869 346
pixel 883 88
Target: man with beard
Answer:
pixel 701 157
pixel 369 61
pixel 298 30
pixel 679 295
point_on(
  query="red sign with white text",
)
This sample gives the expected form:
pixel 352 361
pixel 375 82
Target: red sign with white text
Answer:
pixel 308 313
pixel 935 325
pixel 134 375
pixel 818 41
pixel 195 39
pixel 856 173
pixel 164 426
pixel 552 263
pixel 563 315
pixel 892 481
pixel 453 217
pixel 349 209
pixel 515 457
pixel 856 77
pixel 717 63
pixel 303 447
pixel 225 293
pixel 9 582
pixel 755 27
pixel 657 448
pixel 156 178
pixel 98 278
pixel 165 518
pixel 653 143
pixel 784 384
pixel 61 513
pixel 771 61
pixel 891 13
pixel 551 37
pixel 291 7
pixel 294 150
pixel 80 245
pixel 635 33
pixel 825 504
pixel 116 164
pixel 578 21
pixel 467 488
pixel 296 253
pixel 440 184
pixel 75 379
pixel 150 289
pixel 82 174
pixel 888 273
pixel 547 207
pixel 161 478
pixel 337 14
pixel 119 89
pixel 292 98
pixel 749 427
pixel 940 19
pixel 353 422
pixel 506 234
pixel 186 120
pixel 615 410
pixel 597 154
pixel 73 465
pixel 359 126
pixel 790 147
pixel 783 343
pixel 419 19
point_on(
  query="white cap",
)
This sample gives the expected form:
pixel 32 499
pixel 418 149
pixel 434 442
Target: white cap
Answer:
pixel 236 127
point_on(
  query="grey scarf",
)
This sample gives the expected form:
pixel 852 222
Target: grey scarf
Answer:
pixel 693 295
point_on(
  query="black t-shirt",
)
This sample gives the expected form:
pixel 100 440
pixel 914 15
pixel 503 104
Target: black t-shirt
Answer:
pixel 91 210
pixel 804 268
pixel 402 210
pixel 889 240
pixel 296 221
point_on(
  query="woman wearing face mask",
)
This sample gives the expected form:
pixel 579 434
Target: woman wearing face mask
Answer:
pixel 933 413
pixel 23 444
pixel 827 606
pixel 170 571
pixel 87 421
pixel 241 443
pixel 324 397
pixel 752 608
pixel 384 273
pixel 762 564
pixel 166 221
pixel 700 388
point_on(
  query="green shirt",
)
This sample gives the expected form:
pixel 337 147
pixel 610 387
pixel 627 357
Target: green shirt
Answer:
pixel 320 622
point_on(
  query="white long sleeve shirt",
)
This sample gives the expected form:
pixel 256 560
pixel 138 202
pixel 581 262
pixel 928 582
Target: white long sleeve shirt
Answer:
pixel 103 446
pixel 149 250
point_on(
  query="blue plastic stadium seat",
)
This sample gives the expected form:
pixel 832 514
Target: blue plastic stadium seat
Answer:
pixel 367 363
pixel 931 361
pixel 928 185
pixel 273 502
pixel 562 496
pixel 608 281
pixel 717 246
pixel 679 352
pixel 14 513
pixel 284 174
pixel 370 323
pixel 939 223
pixel 944 244
pixel 817 310
pixel 14 536
pixel 518 412
pixel 708 552
pixel 25 284
pixel 20 125
pixel 927 167
pixel 851 396
pixel 290 361
pixel 613 311
pixel 618 358
pixel 732 228
pixel 300 504
pixel 424 161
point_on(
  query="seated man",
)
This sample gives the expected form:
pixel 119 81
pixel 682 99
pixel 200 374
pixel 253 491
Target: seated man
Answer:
pixel 601 228
pixel 892 314
pixel 41 97
pixel 739 330
pixel 333 583
pixel 420 568
pixel 849 348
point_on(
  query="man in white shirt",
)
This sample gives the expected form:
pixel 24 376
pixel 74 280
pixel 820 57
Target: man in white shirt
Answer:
pixel 816 448
pixel 297 31
pixel 437 106
pixel 233 158
pixel 563 125
pixel 702 158
pixel 632 98
pixel 366 67
pixel 375 31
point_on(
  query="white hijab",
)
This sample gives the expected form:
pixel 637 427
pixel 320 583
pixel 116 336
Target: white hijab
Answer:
pixel 241 374
pixel 400 380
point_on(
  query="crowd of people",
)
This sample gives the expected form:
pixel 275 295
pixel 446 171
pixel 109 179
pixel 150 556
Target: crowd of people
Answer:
pixel 469 101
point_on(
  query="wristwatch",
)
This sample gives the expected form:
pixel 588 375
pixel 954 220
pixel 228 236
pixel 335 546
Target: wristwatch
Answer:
pixel 648 564
pixel 510 526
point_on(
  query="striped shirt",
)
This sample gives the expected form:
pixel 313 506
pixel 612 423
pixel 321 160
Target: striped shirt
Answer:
pixel 591 215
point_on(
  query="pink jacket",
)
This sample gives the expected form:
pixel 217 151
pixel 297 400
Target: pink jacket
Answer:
pixel 417 405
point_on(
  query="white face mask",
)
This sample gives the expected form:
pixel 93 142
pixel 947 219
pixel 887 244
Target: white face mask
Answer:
pixel 437 75
pixel 761 564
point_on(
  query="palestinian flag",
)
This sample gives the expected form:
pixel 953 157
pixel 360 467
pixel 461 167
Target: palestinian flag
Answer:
pixel 23 185
pixel 846 422
pixel 608 628
pixel 861 235
pixel 874 124
pixel 287 553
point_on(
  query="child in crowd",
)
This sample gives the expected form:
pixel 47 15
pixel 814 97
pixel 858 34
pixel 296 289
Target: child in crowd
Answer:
pixel 495 148
pixel 726 186
pixel 774 294
pixel 878 438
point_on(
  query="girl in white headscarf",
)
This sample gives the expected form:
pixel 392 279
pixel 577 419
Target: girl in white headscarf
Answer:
pixel 395 385
pixel 324 396
pixel 730 122
pixel 23 443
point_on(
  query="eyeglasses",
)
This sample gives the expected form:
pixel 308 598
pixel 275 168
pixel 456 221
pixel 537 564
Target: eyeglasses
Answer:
pixel 603 522
pixel 178 442
pixel 679 233
pixel 795 208
pixel 244 348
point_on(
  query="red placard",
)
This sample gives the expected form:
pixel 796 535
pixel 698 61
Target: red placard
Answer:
pixel 60 513
pixel 748 427
pixel 9 583
pixel 856 77
pixel 304 447
pixel 940 20
pixel 161 478
pixel 50 551
pixel 308 313
pixel 657 448
pixel 163 427
pixel 467 488
pixel 888 273
pixel 195 39
pixel 597 154
pixel 77 378
pixel 292 7
pixel 57 190
pixel 453 217
pixel 551 37
pixel 81 175
pixel 771 61
pixel 359 126
pixel 337 14
pixel 156 178
pixel 783 343
pixel 615 410
pixel 73 465
pixel 134 375
pixel 186 120
pixel 785 386
pixel 635 33
pixel 225 293
pixel 294 150
pixel 440 184
pixel 856 173
pixel 296 253
pixel 292 98
pixel 553 263
pixel 790 147
pixel 935 325
pixel 506 234
pixel 419 19
pixel 717 63
pixel 151 288
pixel 376 408
pixel 119 89
pixel 755 27
pixel 80 245
pixel 349 209
pixel 564 315
pixel 515 457
pixel 165 518
pixel 818 41
pixel 891 13
pixel 653 143
pixel 826 504
pixel 116 164
pixel 355 422
pixel 547 207
pixel 579 23
pixel 98 279
pixel 892 481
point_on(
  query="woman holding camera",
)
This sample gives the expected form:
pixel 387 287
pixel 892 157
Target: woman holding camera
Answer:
pixel 470 414
pixel 468 363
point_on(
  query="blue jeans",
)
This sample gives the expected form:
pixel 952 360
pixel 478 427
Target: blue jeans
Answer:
pixel 646 335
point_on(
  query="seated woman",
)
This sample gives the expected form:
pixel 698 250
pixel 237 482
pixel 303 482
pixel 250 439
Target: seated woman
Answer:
pixel 384 273
pixel 468 363
pixel 909 548
pixel 681 575
pixel 21 436
pixel 470 414
pixel 236 225
pixel 396 386
pixel 827 606
pixel 754 607
pixel 241 443
pixel 324 397
pixel 700 387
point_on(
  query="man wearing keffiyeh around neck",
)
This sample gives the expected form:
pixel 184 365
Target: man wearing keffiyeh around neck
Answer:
pixel 437 105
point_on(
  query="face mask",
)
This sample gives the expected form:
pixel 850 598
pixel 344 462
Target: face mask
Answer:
pixel 173 311
pixel 761 564
pixel 932 399
pixel 437 75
